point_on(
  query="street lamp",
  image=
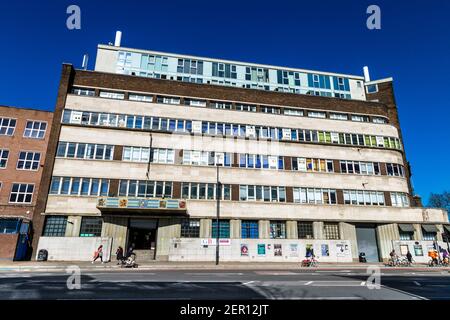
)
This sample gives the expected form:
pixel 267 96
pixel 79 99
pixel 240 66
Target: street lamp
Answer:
pixel 218 196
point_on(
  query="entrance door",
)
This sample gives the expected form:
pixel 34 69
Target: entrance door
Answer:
pixel 142 236
pixel 367 242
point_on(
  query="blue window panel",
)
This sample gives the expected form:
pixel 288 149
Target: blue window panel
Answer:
pixel 189 125
pixel 235 130
pixel 172 124
pixel 228 131
pixel 346 84
pixel 9 226
pixel 280 162
pixel 258 161
pixel 293 135
pixel 327 82
pixel 204 127
pixel 227 160
pixel 130 121
pixel 138 123
pixel 242 161
pixel 180 125
pixel 212 128
pixel 224 231
pixel 279 76
pixel 280 134
pixel 265 162
pixel 250 161
pixel 163 124
pixel 155 124
pixel 249 230
pixel 322 81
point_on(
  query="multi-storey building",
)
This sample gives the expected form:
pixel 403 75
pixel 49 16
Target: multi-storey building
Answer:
pixel 24 136
pixel 169 153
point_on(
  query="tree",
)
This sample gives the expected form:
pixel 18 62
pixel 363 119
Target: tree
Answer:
pixel 440 201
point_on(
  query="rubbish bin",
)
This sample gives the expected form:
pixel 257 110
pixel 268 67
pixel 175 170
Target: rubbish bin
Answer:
pixel 42 255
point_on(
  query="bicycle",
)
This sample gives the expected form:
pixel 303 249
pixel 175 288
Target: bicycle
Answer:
pixel 310 262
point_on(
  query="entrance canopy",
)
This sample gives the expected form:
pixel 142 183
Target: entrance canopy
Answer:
pixel 144 206
pixel 430 228
pixel 406 227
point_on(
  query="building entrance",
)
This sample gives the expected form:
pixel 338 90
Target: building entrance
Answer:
pixel 367 242
pixel 142 234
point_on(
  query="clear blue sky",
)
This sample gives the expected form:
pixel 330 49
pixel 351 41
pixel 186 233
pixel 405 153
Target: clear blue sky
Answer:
pixel 413 46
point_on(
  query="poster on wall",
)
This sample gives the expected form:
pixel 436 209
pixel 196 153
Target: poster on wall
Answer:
pixel 293 252
pixel 277 250
pixel 309 251
pixel 244 250
pixel 325 250
pixel 343 250
pixel 418 251
pixel 261 249
pixel 404 249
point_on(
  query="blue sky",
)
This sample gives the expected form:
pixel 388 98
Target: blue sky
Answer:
pixel 413 46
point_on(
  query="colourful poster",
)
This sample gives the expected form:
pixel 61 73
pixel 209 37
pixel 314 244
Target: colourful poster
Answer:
pixel 418 251
pixel 244 250
pixel 325 250
pixel 261 249
pixel 277 250
pixel 293 250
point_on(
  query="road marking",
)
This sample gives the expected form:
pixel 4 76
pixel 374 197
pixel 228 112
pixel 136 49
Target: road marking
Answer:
pixel 417 283
pixel 308 283
pixel 214 273
pixel 336 284
pixel 247 283
pixel 363 283
pixel 276 273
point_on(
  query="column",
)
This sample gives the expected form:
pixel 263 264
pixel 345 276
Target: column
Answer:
pixel 386 234
pixel 318 230
pixel 205 228
pixel 291 230
pixel 347 231
pixel 73 226
pixel 235 229
pixel 264 229
pixel 417 232
pixel 117 229
pixel 168 229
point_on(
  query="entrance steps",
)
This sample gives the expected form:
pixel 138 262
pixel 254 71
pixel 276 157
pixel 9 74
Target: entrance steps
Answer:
pixel 144 255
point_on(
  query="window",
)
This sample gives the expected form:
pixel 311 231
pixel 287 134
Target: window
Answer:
pixel 168 100
pixel 190 66
pixel 399 199
pixel 249 229
pixel 55 226
pixel 140 97
pixel 190 228
pixel 35 129
pixel 28 160
pixel 112 95
pixel 405 236
pixel 3 158
pixel 9 225
pixel 245 107
pixel 379 120
pixel 163 156
pixel 314 195
pixel 195 103
pixel 364 197
pixel 394 169
pixel 372 88
pixel 85 151
pixel 338 116
pixel 91 227
pixel 224 229
pixel 360 118
pixel 277 229
pixel 220 105
pixel 262 193
pixel 224 70
pixel 331 231
pixel 272 110
pixel 83 92
pixel 7 126
pixel 79 186
pixel 317 114
pixel 293 112
pixel 305 230
pixel 21 193
pixel 145 189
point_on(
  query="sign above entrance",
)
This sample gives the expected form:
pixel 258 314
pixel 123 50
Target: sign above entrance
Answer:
pixel 107 203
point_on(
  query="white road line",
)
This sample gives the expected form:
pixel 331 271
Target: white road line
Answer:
pixel 213 273
pixel 363 283
pixel 308 283
pixel 417 283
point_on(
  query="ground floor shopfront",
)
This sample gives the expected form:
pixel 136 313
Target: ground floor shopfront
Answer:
pixel 181 238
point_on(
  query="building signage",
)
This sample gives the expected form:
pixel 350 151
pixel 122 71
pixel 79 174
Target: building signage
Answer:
pixel 212 242
pixel 196 126
pixel 286 134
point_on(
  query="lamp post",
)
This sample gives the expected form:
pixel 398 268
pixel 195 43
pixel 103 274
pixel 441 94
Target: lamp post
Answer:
pixel 218 196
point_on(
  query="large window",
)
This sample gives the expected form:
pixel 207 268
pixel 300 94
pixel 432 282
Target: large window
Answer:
pixel 28 160
pixel 314 195
pixel 357 167
pixel 85 151
pixel 91 227
pixel 312 165
pixel 79 186
pixel 190 66
pixel 145 189
pixel 112 95
pixel 364 197
pixel 249 229
pixel 3 158
pixel 394 169
pixel 277 229
pixel 190 228
pixel 202 191
pixel 260 161
pixel 7 126
pixel 207 158
pixel 224 70
pixel 9 225
pixel 262 193
pixel 83 92
pixel 224 229
pixel 305 230
pixel 21 193
pixel 55 226
pixel 399 199
pixel 35 129
pixel 331 231
pixel 168 100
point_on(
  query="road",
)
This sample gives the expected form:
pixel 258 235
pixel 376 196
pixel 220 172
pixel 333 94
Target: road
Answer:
pixel 227 284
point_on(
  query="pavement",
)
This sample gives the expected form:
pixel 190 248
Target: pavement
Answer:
pixel 58 266
pixel 310 284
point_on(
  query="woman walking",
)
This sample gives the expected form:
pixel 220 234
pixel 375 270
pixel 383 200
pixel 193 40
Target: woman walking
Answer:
pixel 98 254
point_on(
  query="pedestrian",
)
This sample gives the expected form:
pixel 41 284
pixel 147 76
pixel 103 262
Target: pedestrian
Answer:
pixel 98 254
pixel 119 255
pixel 393 257
pixel 445 257
pixel 409 256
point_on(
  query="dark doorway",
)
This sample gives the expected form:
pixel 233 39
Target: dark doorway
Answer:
pixel 366 236
pixel 142 235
